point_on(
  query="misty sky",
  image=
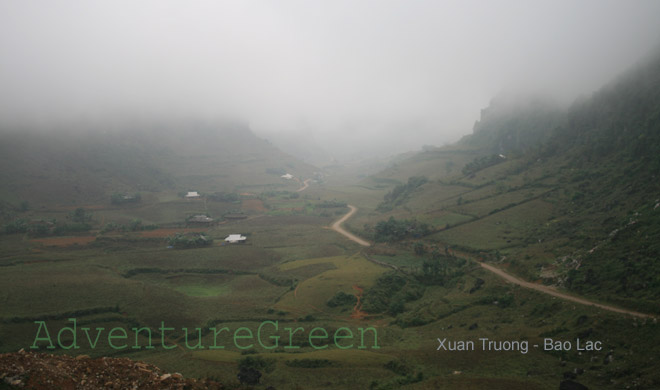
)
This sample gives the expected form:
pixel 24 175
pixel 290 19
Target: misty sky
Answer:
pixel 411 72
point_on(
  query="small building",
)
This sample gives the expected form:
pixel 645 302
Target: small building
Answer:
pixel 192 195
pixel 287 176
pixel 235 239
pixel 201 219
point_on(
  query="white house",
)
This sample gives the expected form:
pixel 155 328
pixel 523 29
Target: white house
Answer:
pixel 287 176
pixel 235 238
pixel 205 219
pixel 192 195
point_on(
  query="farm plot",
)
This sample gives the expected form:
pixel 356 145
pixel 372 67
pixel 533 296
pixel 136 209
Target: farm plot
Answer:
pixel 313 293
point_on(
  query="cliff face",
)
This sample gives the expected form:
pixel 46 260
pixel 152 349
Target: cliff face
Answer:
pixel 516 122
pixel 27 370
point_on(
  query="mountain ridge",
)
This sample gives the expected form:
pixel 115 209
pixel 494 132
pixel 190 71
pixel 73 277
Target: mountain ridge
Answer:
pixel 87 165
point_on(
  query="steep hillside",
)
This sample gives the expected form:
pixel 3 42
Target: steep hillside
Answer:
pixel 515 123
pixel 511 125
pixel 565 196
pixel 87 164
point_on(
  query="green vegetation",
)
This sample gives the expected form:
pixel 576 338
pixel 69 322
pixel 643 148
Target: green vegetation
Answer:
pixel 71 228
pixel 315 291
pixel 481 163
pixel 17 226
pixel 390 293
pixel 342 299
pixel 513 124
pixel 624 268
pixel 257 363
pixel 182 241
pixel 438 269
pixel 328 204
pixel 395 230
pixel 401 192
pixel 42 228
pixel 574 205
pixel 224 197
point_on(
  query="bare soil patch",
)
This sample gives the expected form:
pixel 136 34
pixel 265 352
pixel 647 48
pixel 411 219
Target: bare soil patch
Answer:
pixel 253 205
pixel 357 309
pixel 64 241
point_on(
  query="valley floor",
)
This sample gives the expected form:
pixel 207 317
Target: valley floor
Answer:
pixel 313 309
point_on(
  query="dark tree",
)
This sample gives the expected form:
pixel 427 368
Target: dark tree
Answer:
pixel 419 248
pixel 248 376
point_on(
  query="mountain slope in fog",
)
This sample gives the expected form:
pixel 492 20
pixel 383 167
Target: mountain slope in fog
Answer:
pixel 87 165
pixel 569 196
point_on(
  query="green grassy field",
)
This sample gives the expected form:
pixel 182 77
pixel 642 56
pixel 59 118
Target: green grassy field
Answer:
pixel 288 270
pixel 342 274
pixel 120 274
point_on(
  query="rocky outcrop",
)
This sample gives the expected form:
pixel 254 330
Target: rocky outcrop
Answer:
pixel 27 370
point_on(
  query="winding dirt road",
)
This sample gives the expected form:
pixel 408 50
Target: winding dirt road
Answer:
pixel 504 275
pixel 337 227
pixel 551 291
pixel 304 186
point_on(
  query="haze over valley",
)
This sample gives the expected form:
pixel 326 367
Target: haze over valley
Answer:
pixel 296 195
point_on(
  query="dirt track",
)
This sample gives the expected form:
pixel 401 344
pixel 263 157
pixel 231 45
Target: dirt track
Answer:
pixel 509 278
pixel 551 291
pixel 337 227
pixel 304 186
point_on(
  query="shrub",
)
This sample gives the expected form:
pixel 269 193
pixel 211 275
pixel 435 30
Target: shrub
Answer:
pixel 401 192
pixel 258 363
pixel 390 292
pixel 71 228
pixel 342 299
pixel 186 241
pixel 481 163
pixel 395 230
pixel 17 226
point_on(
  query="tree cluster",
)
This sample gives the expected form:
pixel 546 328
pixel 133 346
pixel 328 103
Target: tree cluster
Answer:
pixel 395 230
pixel 183 241
pixel 401 192
pixel 341 299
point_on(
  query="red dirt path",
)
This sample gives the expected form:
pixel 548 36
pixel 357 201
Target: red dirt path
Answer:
pixel 357 312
